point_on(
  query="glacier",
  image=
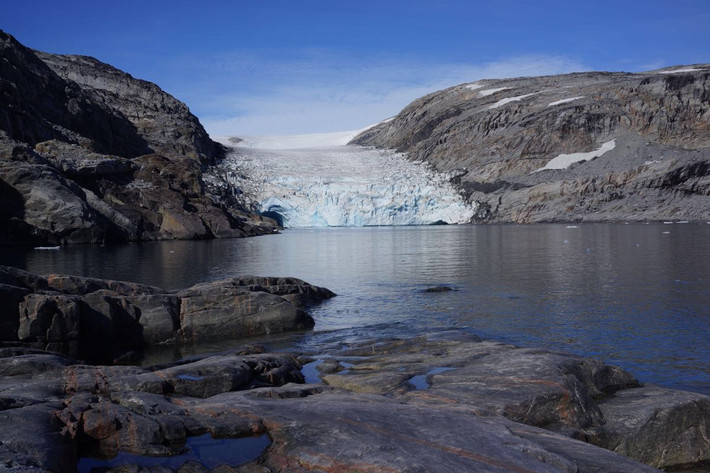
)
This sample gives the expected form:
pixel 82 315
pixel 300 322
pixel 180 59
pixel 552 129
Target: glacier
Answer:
pixel 337 185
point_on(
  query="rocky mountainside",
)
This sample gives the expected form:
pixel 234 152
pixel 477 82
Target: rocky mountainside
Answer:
pixel 578 147
pixel 90 154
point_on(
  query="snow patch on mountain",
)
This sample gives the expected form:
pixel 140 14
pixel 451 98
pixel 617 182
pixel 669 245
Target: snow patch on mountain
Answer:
pixel 505 101
pixel 340 186
pixel 474 86
pixel 560 102
pixel 678 71
pixel 563 161
pixel 487 92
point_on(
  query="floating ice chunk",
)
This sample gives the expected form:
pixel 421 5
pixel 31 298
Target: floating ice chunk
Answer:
pixel 560 102
pixel 502 102
pixel 563 161
pixel 684 69
pixel 487 92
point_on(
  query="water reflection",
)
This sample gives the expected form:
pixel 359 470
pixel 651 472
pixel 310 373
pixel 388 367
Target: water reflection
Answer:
pixel 630 294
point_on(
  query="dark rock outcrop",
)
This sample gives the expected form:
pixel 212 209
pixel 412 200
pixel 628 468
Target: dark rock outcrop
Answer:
pixel 69 410
pixel 89 154
pixel 164 122
pixel 493 137
pixel 102 320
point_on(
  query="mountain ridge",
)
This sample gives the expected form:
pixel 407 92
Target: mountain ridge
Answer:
pixel 494 133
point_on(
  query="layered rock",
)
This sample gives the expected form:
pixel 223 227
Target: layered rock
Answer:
pixel 586 146
pixel 89 154
pixel 164 122
pixel 469 418
pixel 574 396
pixel 103 320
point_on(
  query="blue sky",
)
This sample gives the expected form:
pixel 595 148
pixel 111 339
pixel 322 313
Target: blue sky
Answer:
pixel 274 67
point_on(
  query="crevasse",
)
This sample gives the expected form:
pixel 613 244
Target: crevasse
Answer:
pixel 341 186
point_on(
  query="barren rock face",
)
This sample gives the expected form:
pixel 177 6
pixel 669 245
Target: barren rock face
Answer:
pixel 103 320
pixel 651 131
pixel 164 122
pixel 88 154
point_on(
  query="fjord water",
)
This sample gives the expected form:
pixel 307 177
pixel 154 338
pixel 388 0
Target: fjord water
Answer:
pixel 633 295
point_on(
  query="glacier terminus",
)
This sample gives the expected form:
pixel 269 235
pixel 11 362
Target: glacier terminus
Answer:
pixel 332 184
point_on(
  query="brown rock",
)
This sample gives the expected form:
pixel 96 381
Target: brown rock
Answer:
pixel 225 309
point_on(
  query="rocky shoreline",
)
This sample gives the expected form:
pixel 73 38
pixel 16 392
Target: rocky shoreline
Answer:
pixel 445 401
pixel 102 321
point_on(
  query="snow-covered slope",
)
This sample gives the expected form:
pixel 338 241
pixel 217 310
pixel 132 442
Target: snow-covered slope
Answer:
pixel 314 140
pixel 338 185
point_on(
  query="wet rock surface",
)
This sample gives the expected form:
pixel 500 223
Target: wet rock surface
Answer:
pixel 493 137
pixel 102 320
pixel 538 411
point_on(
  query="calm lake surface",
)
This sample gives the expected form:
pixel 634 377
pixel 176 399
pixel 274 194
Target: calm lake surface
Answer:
pixel 633 295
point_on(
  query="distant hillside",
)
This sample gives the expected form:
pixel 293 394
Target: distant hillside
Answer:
pixel 593 146
pixel 90 154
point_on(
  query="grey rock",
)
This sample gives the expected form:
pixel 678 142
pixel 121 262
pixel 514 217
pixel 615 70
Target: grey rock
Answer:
pixel 47 208
pixel 10 298
pixel 292 289
pixel 676 422
pixel 51 321
pixel 31 441
pixel 88 154
pixel 579 397
pixel 108 321
pixel 146 411
pixel 439 289
pixel 227 309
pixel 165 123
pixel 490 137
pixel 74 161
pixel 374 433
pixel 42 106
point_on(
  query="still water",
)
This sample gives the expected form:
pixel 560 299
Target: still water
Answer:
pixel 633 295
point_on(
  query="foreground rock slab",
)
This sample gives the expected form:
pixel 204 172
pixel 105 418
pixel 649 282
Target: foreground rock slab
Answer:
pixel 81 410
pixel 442 402
pixel 103 320
pixel 571 395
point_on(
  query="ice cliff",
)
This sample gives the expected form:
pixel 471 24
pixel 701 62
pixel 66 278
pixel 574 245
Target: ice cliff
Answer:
pixel 340 186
